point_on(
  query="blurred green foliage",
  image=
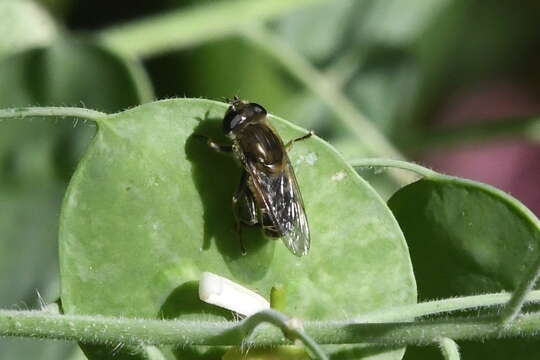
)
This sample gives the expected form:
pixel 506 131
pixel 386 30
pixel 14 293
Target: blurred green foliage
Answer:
pixel 399 62
pixel 38 157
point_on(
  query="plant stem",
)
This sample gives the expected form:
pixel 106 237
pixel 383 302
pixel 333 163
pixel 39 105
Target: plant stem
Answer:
pixel 377 162
pixel 108 330
pixel 449 348
pixel 514 305
pixel 291 328
pixel 28 112
pixel 186 27
pixel 409 312
pixel 328 92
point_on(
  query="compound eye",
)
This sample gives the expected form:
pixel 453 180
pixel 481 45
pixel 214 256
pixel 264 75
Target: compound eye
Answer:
pixel 258 109
pixel 232 119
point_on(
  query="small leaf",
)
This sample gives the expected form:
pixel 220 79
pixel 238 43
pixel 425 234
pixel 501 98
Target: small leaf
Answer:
pixel 149 209
pixel 483 239
pixel 468 238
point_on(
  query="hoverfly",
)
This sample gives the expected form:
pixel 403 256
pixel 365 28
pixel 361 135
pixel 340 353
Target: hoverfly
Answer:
pixel 268 193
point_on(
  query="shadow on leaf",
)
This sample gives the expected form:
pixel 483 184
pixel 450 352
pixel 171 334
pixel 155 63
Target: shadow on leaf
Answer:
pixel 184 301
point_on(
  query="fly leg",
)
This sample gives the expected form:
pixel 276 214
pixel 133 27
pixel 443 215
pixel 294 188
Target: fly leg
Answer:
pixel 244 209
pixel 289 144
pixel 217 147
pixel 238 230
pixel 214 145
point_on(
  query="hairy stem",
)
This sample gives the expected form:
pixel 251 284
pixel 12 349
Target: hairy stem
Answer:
pixel 449 349
pixel 108 330
pixel 28 112
pixel 514 305
pixel 291 328
pixel 190 26
pixel 408 312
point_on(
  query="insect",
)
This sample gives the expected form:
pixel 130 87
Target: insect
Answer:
pixel 268 193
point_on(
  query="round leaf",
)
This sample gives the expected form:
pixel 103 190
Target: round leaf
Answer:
pixel 149 209
pixel 467 238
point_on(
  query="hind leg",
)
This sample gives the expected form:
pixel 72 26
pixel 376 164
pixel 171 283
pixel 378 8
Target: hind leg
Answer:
pixel 244 209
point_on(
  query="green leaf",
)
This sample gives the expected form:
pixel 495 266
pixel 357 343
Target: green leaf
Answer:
pixel 486 241
pixel 24 24
pixel 468 238
pixel 149 209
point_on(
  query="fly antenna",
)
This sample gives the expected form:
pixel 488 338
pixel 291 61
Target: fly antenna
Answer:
pixel 234 101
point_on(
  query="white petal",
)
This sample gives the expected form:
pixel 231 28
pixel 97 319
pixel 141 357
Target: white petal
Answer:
pixel 222 292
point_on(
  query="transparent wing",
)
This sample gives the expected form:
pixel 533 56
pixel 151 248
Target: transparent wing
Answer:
pixel 283 205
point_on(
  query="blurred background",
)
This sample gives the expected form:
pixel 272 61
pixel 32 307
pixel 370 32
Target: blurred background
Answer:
pixel 453 85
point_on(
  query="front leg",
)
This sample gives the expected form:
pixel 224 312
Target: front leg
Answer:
pixel 214 145
pixel 291 142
